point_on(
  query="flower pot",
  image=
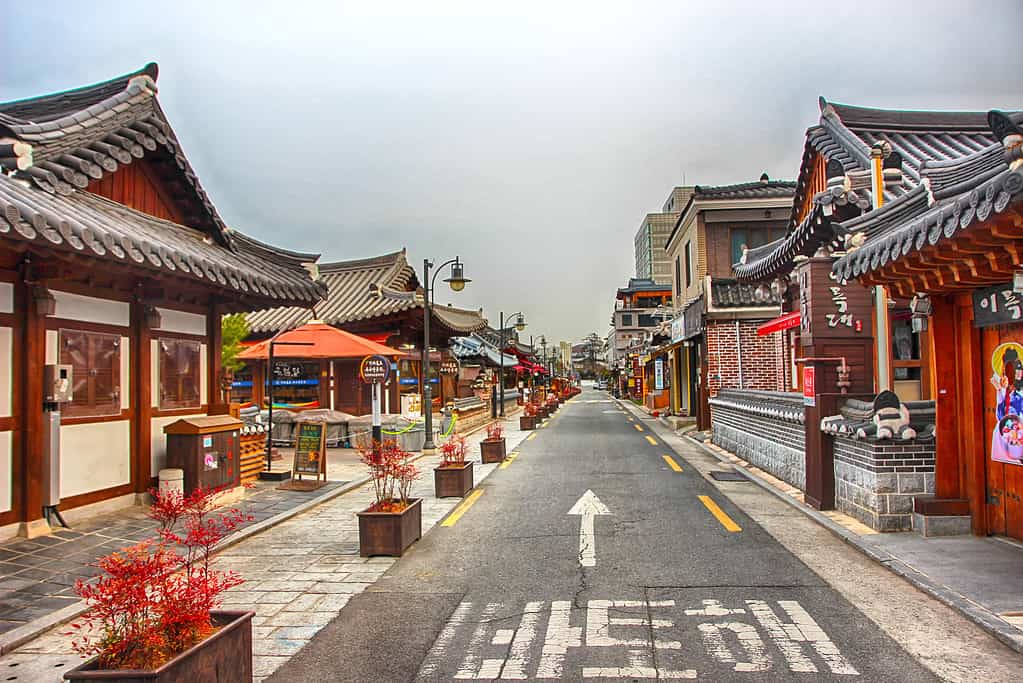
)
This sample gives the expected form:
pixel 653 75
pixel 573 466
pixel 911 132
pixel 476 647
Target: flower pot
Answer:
pixel 492 450
pixel 527 422
pixel 452 481
pixel 224 657
pixel 390 533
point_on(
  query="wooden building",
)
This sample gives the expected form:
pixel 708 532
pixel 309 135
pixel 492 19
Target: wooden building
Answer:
pixel 714 344
pixel 378 298
pixel 957 249
pixel 114 261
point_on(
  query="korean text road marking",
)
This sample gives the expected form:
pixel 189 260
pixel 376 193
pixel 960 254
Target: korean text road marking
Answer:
pixel 462 508
pixel 719 514
pixel 671 463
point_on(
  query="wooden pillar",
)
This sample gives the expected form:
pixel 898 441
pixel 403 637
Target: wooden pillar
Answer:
pixel 141 399
pixel 214 347
pixel 31 406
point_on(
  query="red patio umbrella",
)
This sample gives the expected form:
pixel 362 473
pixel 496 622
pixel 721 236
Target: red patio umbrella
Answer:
pixel 324 342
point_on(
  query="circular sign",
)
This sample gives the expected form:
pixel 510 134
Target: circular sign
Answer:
pixel 374 369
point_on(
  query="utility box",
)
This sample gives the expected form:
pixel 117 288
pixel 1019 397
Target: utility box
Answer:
pixel 207 449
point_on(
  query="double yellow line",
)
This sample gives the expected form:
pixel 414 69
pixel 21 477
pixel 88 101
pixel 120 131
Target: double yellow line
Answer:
pixel 462 508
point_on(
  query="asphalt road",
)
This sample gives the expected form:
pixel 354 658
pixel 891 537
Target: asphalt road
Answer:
pixel 674 590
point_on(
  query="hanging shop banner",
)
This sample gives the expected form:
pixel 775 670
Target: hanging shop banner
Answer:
pixel 678 329
pixel 374 369
pixel 659 374
pixel 998 305
pixel 809 390
pixel 1007 440
pixel 310 448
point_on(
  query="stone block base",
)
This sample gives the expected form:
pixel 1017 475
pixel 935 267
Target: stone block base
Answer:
pixel 941 525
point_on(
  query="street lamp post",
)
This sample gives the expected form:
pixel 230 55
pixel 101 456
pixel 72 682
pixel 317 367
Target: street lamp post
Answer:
pixel 520 324
pixel 457 281
pixel 547 370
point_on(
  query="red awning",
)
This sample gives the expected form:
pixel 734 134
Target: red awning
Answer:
pixel 325 342
pixel 782 322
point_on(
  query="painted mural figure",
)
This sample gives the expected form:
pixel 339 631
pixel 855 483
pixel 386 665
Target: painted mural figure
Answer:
pixel 1007 440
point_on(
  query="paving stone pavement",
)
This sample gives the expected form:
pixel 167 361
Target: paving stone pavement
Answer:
pixel 298 575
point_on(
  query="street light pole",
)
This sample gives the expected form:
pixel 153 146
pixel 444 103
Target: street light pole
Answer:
pixel 457 281
pixel 520 324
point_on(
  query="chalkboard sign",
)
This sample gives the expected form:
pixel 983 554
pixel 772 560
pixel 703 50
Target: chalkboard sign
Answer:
pixel 997 305
pixel 310 448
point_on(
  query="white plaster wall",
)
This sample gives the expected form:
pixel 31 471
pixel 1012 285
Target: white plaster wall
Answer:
pixel 6 369
pixel 94 456
pixel 6 297
pixel 180 321
pixel 159 440
pixel 154 372
pixel 6 460
pixel 90 309
pixel 52 350
pixel 125 373
pixel 203 365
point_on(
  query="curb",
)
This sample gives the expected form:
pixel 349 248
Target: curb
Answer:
pixel 1005 632
pixel 16 637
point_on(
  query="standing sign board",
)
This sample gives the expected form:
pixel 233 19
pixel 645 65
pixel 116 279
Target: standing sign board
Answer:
pixel 809 390
pixel 659 374
pixel 311 449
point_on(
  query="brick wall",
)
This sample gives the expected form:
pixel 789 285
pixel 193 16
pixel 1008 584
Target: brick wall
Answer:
pixel 763 358
pixel 875 482
pixel 764 429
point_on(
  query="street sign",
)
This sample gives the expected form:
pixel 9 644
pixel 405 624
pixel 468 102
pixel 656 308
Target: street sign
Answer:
pixel 809 390
pixel 374 369
pixel 588 506
pixel 659 374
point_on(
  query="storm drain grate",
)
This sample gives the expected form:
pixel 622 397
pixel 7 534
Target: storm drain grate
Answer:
pixel 728 476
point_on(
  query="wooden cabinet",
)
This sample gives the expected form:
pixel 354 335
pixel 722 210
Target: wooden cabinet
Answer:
pixel 207 449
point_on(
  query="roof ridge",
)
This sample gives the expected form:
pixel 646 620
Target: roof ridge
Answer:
pixel 101 89
pixel 392 258
pixel 906 119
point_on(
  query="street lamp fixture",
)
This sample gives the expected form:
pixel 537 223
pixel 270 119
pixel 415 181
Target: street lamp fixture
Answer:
pixel 457 281
pixel 520 324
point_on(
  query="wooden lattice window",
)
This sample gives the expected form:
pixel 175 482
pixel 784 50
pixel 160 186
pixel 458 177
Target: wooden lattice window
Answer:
pixel 179 374
pixel 95 359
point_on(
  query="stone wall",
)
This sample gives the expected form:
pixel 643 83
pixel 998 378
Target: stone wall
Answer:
pixel 876 481
pixel 764 428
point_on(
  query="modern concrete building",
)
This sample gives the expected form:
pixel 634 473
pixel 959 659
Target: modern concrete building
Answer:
pixel 651 260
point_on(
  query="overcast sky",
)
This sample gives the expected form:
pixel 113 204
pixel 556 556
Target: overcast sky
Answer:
pixel 530 139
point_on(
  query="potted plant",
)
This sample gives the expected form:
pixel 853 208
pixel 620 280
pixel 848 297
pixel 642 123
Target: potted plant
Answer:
pixel 395 520
pixel 492 448
pixel 152 612
pixel 453 477
pixel 527 420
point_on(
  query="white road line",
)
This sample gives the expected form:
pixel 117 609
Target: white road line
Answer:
pixel 818 639
pixel 473 663
pixel 518 656
pixel 561 635
pixel 440 646
pixel 756 652
pixel 782 637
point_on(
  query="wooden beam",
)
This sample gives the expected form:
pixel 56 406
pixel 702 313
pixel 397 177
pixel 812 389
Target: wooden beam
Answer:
pixel 215 364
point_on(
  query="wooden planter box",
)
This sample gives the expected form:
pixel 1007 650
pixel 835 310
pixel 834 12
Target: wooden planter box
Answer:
pixel 224 657
pixel 390 533
pixel 492 450
pixel 527 422
pixel 452 482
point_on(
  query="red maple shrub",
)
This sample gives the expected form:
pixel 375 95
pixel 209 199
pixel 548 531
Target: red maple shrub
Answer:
pixel 452 451
pixel 495 431
pixel 153 600
pixel 393 475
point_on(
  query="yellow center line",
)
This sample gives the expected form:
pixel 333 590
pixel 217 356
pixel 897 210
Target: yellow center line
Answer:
pixel 531 436
pixel 671 463
pixel 462 508
pixel 638 428
pixel 507 461
pixel 653 442
pixel 719 514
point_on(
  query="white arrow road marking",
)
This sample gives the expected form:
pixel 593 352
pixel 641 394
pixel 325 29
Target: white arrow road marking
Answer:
pixel 588 506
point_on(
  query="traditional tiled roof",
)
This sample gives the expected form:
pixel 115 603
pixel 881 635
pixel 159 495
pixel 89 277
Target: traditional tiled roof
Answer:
pixel 85 223
pixel 856 421
pixel 474 347
pixel 78 135
pixel 363 289
pixel 726 293
pixel 53 146
pixel 641 284
pixel 922 145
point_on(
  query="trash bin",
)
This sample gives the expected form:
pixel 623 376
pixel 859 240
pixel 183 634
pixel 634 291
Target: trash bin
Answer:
pixel 207 449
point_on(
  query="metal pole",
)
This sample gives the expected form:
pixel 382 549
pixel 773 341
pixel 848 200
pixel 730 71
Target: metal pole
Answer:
pixel 378 435
pixel 427 390
pixel 270 413
pixel 500 351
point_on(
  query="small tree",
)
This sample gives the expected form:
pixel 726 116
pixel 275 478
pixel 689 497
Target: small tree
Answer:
pixel 233 329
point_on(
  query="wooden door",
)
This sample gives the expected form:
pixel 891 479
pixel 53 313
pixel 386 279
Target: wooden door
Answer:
pixel 1002 368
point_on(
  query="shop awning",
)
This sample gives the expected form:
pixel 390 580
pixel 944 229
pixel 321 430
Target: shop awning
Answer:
pixel 782 322
pixel 325 342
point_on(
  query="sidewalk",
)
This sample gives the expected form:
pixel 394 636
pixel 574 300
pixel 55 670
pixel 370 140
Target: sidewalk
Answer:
pixel 980 577
pixel 299 574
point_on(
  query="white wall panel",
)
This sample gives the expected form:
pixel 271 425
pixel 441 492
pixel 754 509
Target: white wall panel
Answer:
pixel 91 310
pixel 6 369
pixel 154 372
pixel 6 473
pixel 94 456
pixel 52 352
pixel 6 297
pixel 180 321
pixel 203 365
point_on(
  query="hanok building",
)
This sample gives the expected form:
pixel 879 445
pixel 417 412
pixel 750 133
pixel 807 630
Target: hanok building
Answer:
pixel 639 309
pixel 714 342
pixel 378 298
pixel 115 263
pixel 932 195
